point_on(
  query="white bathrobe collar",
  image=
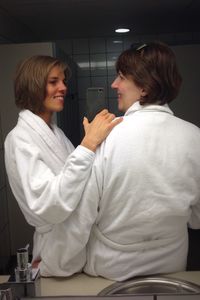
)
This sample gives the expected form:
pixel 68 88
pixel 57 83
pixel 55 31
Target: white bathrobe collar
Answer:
pixel 149 107
pixel 50 137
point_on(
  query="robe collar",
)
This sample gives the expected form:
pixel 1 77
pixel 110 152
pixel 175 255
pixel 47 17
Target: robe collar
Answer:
pixel 49 136
pixel 148 107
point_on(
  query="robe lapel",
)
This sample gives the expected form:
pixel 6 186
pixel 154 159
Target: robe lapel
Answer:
pixel 150 107
pixel 45 133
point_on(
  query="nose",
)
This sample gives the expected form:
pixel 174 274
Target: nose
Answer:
pixel 62 86
pixel 114 84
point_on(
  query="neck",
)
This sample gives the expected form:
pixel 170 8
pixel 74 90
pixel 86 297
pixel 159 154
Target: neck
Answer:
pixel 47 117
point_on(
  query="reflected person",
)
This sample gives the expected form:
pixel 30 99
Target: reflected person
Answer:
pixel 46 174
pixel 146 174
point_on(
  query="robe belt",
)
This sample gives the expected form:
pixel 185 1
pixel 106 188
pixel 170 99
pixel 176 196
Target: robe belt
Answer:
pixel 136 246
pixel 44 228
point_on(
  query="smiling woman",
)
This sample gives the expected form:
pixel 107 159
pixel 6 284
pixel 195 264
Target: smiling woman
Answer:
pixel 46 174
pixel 55 93
pixel 35 78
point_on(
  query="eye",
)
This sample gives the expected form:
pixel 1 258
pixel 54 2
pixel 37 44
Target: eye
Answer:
pixel 53 81
pixel 65 81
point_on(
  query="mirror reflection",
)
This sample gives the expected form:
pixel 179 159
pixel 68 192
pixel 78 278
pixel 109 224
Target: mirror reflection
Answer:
pixel 92 62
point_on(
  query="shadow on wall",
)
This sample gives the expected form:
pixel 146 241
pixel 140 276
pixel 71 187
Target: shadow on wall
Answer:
pixel 193 262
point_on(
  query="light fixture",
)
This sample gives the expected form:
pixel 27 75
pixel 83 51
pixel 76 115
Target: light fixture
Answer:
pixel 122 30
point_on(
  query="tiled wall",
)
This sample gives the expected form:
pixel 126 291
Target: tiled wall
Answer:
pixel 96 59
pixel 4 226
pixel 96 67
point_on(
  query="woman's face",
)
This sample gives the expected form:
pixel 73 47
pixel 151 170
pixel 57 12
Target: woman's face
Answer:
pixel 127 91
pixel 55 93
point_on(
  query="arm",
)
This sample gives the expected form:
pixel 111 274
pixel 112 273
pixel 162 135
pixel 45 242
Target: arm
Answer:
pixel 40 190
pixel 75 231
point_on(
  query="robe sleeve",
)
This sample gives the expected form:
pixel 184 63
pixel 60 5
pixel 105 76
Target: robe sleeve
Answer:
pixel 87 210
pixel 52 197
pixel 71 256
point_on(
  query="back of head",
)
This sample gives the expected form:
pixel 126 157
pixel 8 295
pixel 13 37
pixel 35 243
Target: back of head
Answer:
pixel 152 67
pixel 31 79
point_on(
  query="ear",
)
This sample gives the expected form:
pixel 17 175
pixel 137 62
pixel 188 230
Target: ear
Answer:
pixel 143 93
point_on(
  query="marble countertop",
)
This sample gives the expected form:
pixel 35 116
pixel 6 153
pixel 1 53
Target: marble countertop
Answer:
pixel 81 284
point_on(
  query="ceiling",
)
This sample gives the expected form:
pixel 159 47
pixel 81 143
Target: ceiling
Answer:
pixel 47 20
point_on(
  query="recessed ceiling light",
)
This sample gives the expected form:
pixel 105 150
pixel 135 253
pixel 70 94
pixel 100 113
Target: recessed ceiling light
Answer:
pixel 122 30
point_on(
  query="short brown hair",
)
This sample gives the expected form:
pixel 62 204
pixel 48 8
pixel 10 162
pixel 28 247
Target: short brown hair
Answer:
pixel 31 79
pixel 152 67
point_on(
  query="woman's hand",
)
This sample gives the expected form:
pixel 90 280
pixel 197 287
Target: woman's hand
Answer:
pixel 98 129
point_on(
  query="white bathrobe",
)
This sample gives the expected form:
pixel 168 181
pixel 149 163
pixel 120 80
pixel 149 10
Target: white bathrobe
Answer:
pixel 47 177
pixel 146 183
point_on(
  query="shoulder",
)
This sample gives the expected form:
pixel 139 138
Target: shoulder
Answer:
pixel 188 126
pixel 18 137
pixel 119 128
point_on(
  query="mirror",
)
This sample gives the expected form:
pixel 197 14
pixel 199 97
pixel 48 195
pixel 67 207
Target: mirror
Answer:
pixel 96 48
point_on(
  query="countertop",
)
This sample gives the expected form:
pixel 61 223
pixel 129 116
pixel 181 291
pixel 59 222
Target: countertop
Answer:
pixel 81 284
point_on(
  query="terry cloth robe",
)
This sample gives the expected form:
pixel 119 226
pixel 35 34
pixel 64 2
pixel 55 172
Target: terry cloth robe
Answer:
pixel 146 182
pixel 47 177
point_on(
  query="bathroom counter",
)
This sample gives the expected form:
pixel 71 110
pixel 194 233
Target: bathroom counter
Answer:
pixel 81 284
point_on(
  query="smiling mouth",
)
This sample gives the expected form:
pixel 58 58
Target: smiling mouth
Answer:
pixel 59 98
